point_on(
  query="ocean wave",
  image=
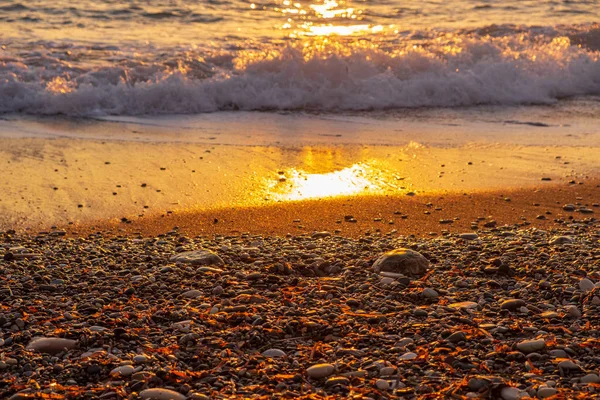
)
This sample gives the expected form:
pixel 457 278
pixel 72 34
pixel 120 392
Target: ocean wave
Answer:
pixel 425 70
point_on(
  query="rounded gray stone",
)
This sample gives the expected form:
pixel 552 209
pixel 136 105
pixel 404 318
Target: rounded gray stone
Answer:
pixel 197 257
pixel 402 261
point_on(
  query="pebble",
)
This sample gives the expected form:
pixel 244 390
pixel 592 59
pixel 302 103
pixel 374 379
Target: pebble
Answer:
pixel 402 261
pixel 512 304
pixel 382 384
pixel 586 285
pixel 568 365
pixel 511 393
pixel 273 353
pixel 457 337
pixel 124 370
pixel 320 371
pixel 408 356
pixel 51 345
pixel 544 392
pixel 140 359
pixel 192 294
pixel 590 378
pixel 161 394
pixel 197 257
pixel 529 346
pixel 573 311
pixel 429 293
pixel 468 236
pixel 464 305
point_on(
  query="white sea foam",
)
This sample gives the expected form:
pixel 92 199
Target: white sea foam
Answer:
pixel 464 69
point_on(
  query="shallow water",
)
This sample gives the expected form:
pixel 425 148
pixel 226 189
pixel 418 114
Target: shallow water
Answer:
pixel 183 57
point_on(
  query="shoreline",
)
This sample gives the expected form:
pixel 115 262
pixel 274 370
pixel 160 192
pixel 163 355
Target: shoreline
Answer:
pixel 419 215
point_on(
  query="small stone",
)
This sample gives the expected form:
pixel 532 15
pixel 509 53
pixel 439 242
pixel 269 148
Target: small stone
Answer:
pixel 382 384
pixel 511 393
pixel 140 359
pixel 408 356
pixel 545 391
pixel 124 370
pixel 568 365
pixel 161 394
pixel 573 311
pixel 457 337
pixel 557 353
pixel 512 304
pixel 51 345
pixel 273 353
pixel 561 240
pixel 320 371
pixel 321 235
pixel 468 236
pixel 590 378
pixel 402 261
pixel 464 305
pixel 529 346
pixel 477 384
pixel 586 285
pixel 192 294
pixel 337 381
pixel 197 257
pixel 429 293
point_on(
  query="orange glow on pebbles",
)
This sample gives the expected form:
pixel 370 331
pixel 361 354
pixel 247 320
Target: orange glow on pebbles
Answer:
pixel 296 184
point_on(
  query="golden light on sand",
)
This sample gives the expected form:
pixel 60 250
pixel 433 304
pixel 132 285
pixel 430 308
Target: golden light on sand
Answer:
pixel 295 184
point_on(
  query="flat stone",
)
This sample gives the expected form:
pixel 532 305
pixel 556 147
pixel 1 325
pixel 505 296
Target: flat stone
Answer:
pixel 549 314
pixel 320 371
pixel 273 353
pixel 568 365
pixel 590 378
pixel 192 294
pixel 546 391
pixel 464 305
pixel 585 285
pixel 457 337
pixel 402 261
pixel 511 393
pixel 429 293
pixel 337 381
pixel 51 345
pixel 512 304
pixel 382 384
pixel 468 236
pixel 124 370
pixel 557 353
pixel 141 359
pixel 161 394
pixel 529 346
pixel 561 240
pixel 408 356
pixel 197 257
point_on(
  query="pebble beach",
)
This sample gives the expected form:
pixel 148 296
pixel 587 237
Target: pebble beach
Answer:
pixel 504 312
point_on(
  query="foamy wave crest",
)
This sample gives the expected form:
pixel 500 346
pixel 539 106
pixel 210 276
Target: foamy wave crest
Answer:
pixel 448 70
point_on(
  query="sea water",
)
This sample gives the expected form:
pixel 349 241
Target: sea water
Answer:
pixel 378 57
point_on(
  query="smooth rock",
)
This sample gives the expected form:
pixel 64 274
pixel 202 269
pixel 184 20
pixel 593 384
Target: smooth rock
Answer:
pixel 586 285
pixel 545 391
pixel 51 345
pixel 561 240
pixel 124 370
pixel 457 337
pixel 337 380
pixel 382 384
pixel 557 353
pixel 590 378
pixel 141 359
pixel 573 311
pixel 273 353
pixel 464 305
pixel 197 257
pixel 161 394
pixel 408 356
pixel 529 346
pixel 512 304
pixel 511 393
pixel 320 371
pixel 429 293
pixel 568 365
pixel 402 261
pixel 192 294
pixel 468 236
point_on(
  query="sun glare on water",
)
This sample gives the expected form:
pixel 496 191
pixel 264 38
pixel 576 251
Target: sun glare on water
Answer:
pixel 324 18
pixel 295 184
